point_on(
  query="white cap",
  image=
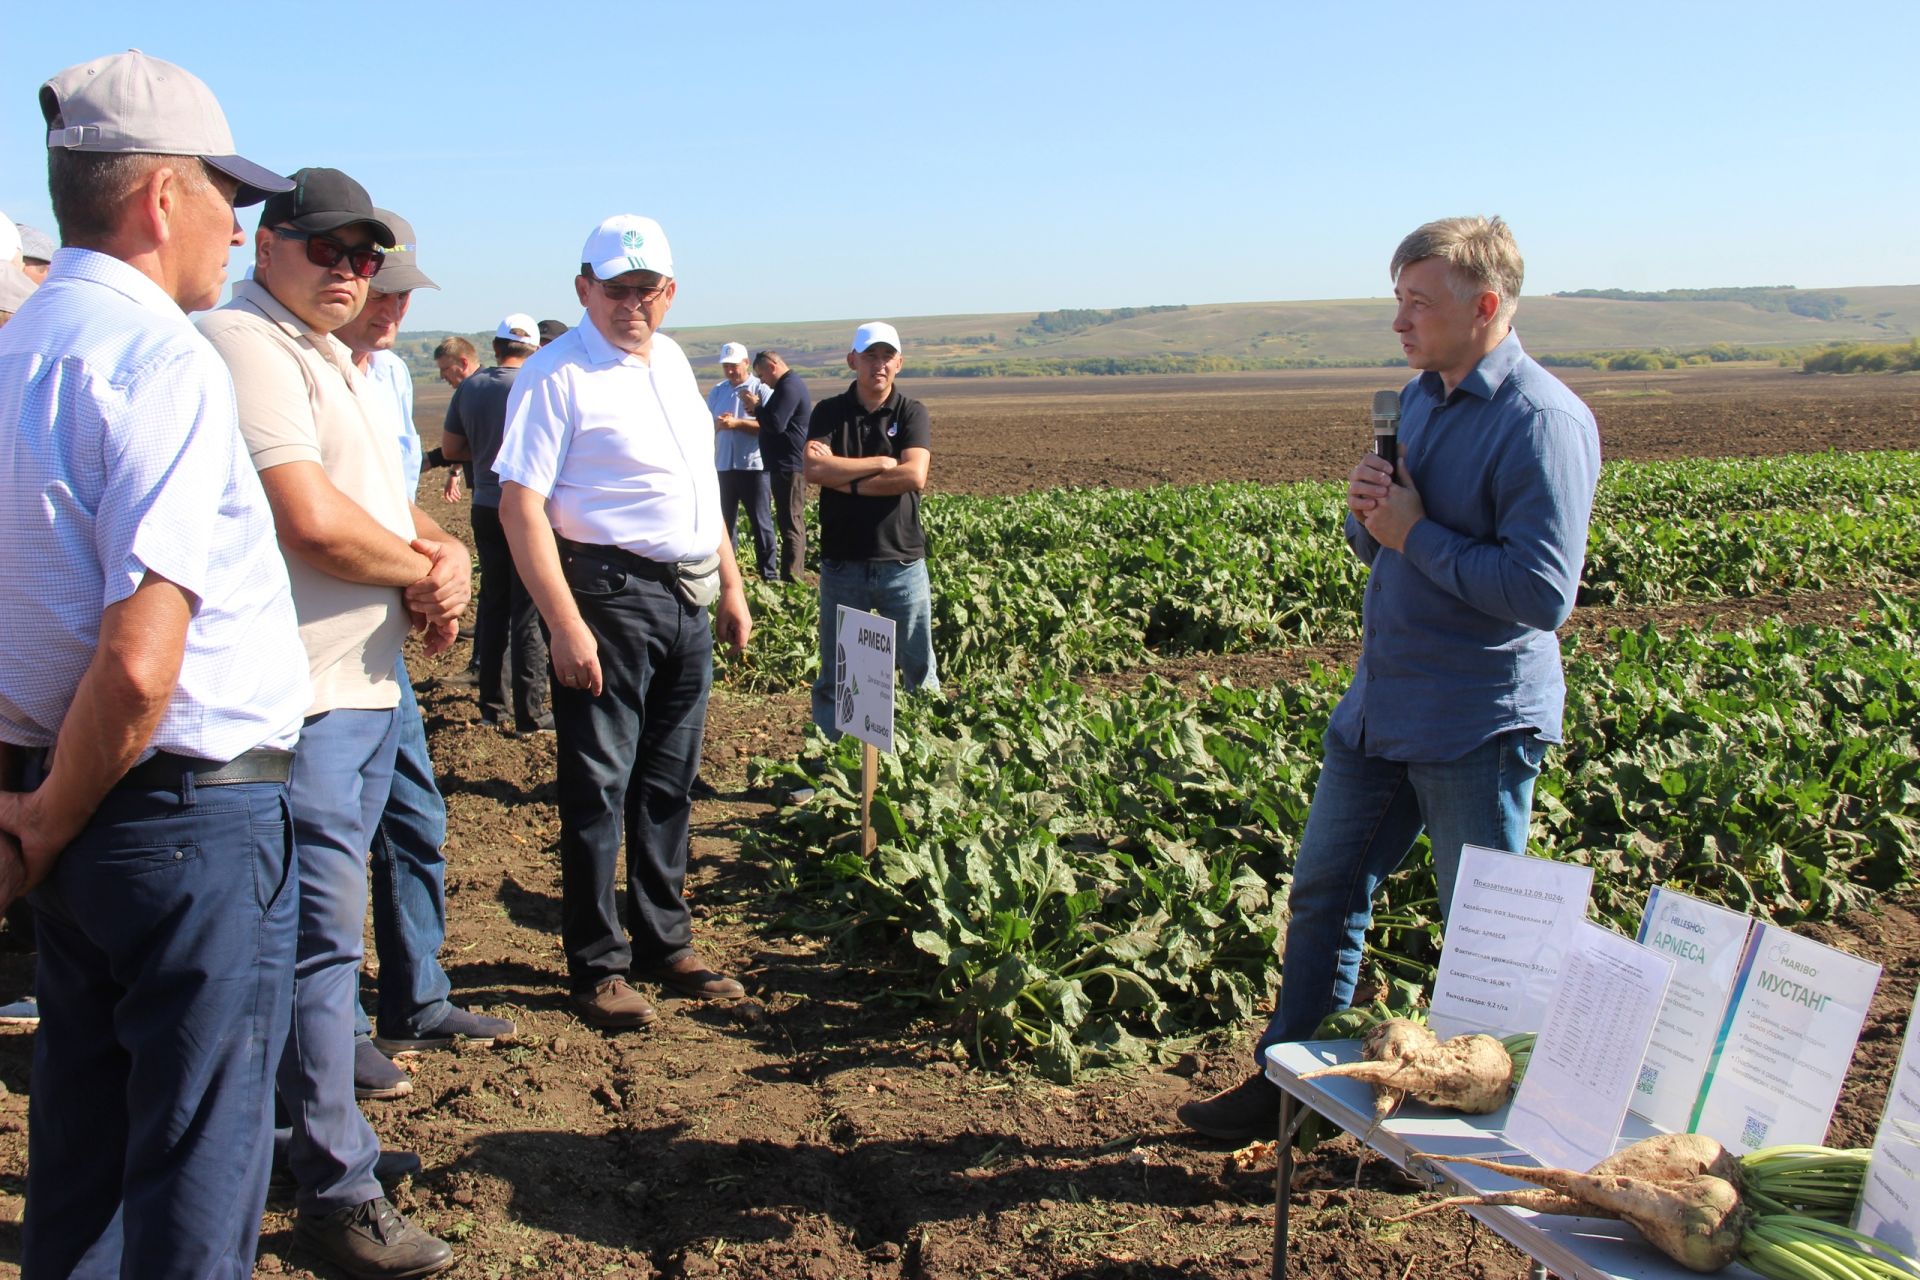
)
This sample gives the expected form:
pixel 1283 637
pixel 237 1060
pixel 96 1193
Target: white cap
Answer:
pixel 627 242
pixel 15 285
pixel 876 331
pixel 9 242
pixel 733 353
pixel 519 327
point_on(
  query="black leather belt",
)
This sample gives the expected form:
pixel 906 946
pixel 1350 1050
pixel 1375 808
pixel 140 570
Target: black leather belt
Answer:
pixel 163 769
pixel 632 562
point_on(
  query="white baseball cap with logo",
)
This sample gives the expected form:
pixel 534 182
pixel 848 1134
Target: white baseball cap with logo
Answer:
pixel 130 103
pixel 519 327
pixel 627 242
pixel 732 353
pixel 875 331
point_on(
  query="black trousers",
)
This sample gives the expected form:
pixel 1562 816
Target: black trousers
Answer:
pixel 506 622
pixel 790 513
pixel 626 760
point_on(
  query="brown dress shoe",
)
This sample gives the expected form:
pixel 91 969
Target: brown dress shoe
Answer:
pixel 689 976
pixel 614 1005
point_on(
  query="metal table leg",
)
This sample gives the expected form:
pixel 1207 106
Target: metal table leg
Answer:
pixel 1292 1116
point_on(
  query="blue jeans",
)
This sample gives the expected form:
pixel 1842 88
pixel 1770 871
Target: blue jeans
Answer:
pixel 166 934
pixel 341 778
pixel 409 880
pixel 754 491
pixel 893 589
pixel 625 762
pixel 1366 815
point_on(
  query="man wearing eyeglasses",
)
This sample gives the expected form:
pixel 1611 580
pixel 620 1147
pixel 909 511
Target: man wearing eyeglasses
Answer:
pixel 363 562
pixel 611 505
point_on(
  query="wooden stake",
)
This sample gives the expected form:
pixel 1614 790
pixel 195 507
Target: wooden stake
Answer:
pixel 869 775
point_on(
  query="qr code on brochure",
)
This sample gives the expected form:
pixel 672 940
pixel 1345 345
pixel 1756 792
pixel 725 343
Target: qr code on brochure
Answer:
pixel 1753 1133
pixel 1648 1074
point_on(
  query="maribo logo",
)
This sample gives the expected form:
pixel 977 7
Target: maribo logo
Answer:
pixel 1778 955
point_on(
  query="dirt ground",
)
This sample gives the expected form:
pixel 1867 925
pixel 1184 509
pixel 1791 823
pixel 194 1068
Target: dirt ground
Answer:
pixel 816 1130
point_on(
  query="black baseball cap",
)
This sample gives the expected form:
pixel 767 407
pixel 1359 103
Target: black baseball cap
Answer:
pixel 549 330
pixel 324 200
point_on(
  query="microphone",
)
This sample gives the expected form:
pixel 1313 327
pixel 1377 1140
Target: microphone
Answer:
pixel 1386 425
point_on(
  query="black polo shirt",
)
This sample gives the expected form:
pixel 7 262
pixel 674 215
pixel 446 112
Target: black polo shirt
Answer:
pixel 856 526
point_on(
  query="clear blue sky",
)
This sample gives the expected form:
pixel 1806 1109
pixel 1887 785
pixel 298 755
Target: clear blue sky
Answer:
pixel 815 161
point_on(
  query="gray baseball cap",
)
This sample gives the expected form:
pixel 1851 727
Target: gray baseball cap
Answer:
pixel 15 285
pixel 128 102
pixel 399 270
pixel 35 244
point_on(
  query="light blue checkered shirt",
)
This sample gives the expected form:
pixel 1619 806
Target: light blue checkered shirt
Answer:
pixel 120 454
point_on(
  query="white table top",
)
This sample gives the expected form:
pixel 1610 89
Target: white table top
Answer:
pixel 1572 1248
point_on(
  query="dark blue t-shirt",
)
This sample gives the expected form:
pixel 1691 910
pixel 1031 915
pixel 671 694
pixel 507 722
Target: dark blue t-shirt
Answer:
pixel 479 412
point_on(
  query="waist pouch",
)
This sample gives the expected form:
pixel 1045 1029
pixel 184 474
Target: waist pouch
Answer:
pixel 697 582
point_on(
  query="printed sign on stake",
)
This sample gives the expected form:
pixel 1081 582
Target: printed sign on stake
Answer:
pixel 863 677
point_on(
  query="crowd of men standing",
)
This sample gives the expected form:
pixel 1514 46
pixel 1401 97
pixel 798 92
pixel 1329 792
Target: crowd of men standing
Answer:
pixel 210 753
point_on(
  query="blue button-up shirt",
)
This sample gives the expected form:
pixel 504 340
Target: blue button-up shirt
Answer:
pixel 736 450
pixel 120 456
pixel 1460 642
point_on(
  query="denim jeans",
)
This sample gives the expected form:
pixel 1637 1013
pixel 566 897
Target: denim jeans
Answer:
pixel 753 490
pixel 167 932
pixel 1366 815
pixel 341 778
pixel 893 589
pixel 626 759
pixel 409 883
pixel 507 640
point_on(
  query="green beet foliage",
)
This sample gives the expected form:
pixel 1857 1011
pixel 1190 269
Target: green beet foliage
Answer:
pixel 1075 870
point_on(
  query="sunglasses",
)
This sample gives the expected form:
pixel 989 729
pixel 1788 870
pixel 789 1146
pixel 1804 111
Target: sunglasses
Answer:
pixel 640 293
pixel 324 251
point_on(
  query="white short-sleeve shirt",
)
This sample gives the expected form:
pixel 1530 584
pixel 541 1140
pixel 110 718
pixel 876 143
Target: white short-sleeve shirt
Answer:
pixel 620 447
pixel 120 455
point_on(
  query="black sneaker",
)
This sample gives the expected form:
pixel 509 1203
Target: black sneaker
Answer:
pixel 1247 1112
pixel 374 1075
pixel 477 1029
pixel 372 1241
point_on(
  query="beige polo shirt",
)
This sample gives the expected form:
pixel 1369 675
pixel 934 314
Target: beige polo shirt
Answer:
pixel 301 400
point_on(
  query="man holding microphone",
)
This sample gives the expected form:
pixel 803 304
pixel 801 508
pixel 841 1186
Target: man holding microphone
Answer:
pixel 1475 541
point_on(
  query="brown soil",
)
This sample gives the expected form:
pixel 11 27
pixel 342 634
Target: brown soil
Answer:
pixel 817 1130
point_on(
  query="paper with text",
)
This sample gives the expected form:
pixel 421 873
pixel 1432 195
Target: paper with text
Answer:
pixel 1706 943
pixel 1586 1061
pixel 1889 1208
pixel 1511 917
pixel 1785 1044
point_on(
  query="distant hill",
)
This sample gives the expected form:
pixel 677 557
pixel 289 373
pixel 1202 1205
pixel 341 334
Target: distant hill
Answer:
pixel 1203 337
